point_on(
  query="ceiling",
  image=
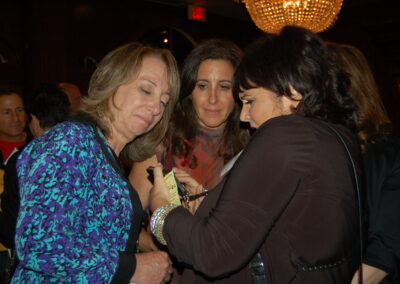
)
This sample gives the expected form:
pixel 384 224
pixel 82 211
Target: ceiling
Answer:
pixel 235 8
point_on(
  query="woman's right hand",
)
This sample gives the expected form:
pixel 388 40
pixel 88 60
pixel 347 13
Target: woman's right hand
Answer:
pixel 152 268
pixel 159 195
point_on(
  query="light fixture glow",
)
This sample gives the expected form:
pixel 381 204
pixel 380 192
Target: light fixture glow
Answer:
pixel 272 15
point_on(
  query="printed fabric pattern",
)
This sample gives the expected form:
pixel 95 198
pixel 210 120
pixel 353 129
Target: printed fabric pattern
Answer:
pixel 209 163
pixel 75 213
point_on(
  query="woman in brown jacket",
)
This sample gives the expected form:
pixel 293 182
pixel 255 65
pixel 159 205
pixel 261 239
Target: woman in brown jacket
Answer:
pixel 290 195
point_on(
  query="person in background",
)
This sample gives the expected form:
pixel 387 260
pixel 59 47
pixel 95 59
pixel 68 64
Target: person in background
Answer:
pixel 381 156
pixel 12 121
pixel 12 135
pixel 74 94
pixel 48 107
pixel 287 210
pixel 79 216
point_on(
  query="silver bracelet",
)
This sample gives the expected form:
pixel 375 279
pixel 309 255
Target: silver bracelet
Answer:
pixel 157 221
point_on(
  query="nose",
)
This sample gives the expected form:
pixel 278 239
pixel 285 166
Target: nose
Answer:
pixel 213 95
pixel 14 116
pixel 244 113
pixel 155 106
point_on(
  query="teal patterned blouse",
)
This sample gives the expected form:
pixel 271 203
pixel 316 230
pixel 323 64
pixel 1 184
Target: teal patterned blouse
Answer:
pixel 76 210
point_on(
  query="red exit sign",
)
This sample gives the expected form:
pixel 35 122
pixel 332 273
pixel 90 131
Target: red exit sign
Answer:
pixel 197 13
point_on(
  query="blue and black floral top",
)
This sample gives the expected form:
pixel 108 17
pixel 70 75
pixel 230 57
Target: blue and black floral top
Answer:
pixel 76 210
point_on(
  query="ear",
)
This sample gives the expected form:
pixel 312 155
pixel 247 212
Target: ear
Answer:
pixel 291 103
pixel 295 94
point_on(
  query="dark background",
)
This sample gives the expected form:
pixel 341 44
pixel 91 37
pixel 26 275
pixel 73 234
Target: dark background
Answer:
pixel 48 41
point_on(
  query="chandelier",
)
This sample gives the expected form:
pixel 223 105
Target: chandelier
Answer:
pixel 272 15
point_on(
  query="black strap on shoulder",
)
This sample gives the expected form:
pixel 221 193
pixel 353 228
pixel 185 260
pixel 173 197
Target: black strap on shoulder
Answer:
pixel 357 187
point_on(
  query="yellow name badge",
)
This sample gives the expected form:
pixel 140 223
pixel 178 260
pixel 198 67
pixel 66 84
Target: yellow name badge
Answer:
pixel 172 188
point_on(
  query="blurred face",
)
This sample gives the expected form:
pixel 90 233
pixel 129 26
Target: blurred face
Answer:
pixel 212 94
pixel 260 105
pixel 139 105
pixel 73 93
pixel 12 118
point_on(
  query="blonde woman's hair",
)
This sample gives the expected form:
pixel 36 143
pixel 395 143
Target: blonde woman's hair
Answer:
pixel 120 67
pixel 372 119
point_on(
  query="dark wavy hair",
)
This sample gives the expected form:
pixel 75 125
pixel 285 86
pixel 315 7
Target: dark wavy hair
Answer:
pixel 297 57
pixel 184 123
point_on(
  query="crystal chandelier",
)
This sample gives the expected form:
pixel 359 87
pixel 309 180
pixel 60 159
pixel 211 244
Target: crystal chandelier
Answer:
pixel 272 15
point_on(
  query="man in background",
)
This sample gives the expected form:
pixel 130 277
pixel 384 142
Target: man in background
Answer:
pixel 12 122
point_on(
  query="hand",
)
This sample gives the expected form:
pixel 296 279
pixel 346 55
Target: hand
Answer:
pixel 192 186
pixel 159 195
pixel 152 268
pixel 371 275
pixel 190 183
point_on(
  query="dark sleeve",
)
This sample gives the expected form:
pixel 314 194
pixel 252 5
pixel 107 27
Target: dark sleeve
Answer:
pixel 383 244
pixel 256 192
pixel 126 268
pixel 9 203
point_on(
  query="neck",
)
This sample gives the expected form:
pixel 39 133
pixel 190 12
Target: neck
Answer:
pixel 18 138
pixel 116 140
pixel 116 145
pixel 210 132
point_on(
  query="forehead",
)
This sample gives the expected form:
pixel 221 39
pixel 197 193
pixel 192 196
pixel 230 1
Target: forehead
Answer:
pixel 155 70
pixel 9 100
pixel 215 65
pixel 153 64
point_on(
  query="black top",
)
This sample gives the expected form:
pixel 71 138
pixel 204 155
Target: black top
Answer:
pixel 127 260
pixel 10 201
pixel 382 176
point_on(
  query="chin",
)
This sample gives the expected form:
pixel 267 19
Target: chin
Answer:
pixel 17 134
pixel 214 126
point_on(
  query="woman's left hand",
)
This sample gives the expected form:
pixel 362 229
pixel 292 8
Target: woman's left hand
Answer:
pixel 159 195
pixel 192 186
pixel 190 183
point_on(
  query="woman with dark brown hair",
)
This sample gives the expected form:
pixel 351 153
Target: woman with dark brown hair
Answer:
pixel 205 130
pixel 381 155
